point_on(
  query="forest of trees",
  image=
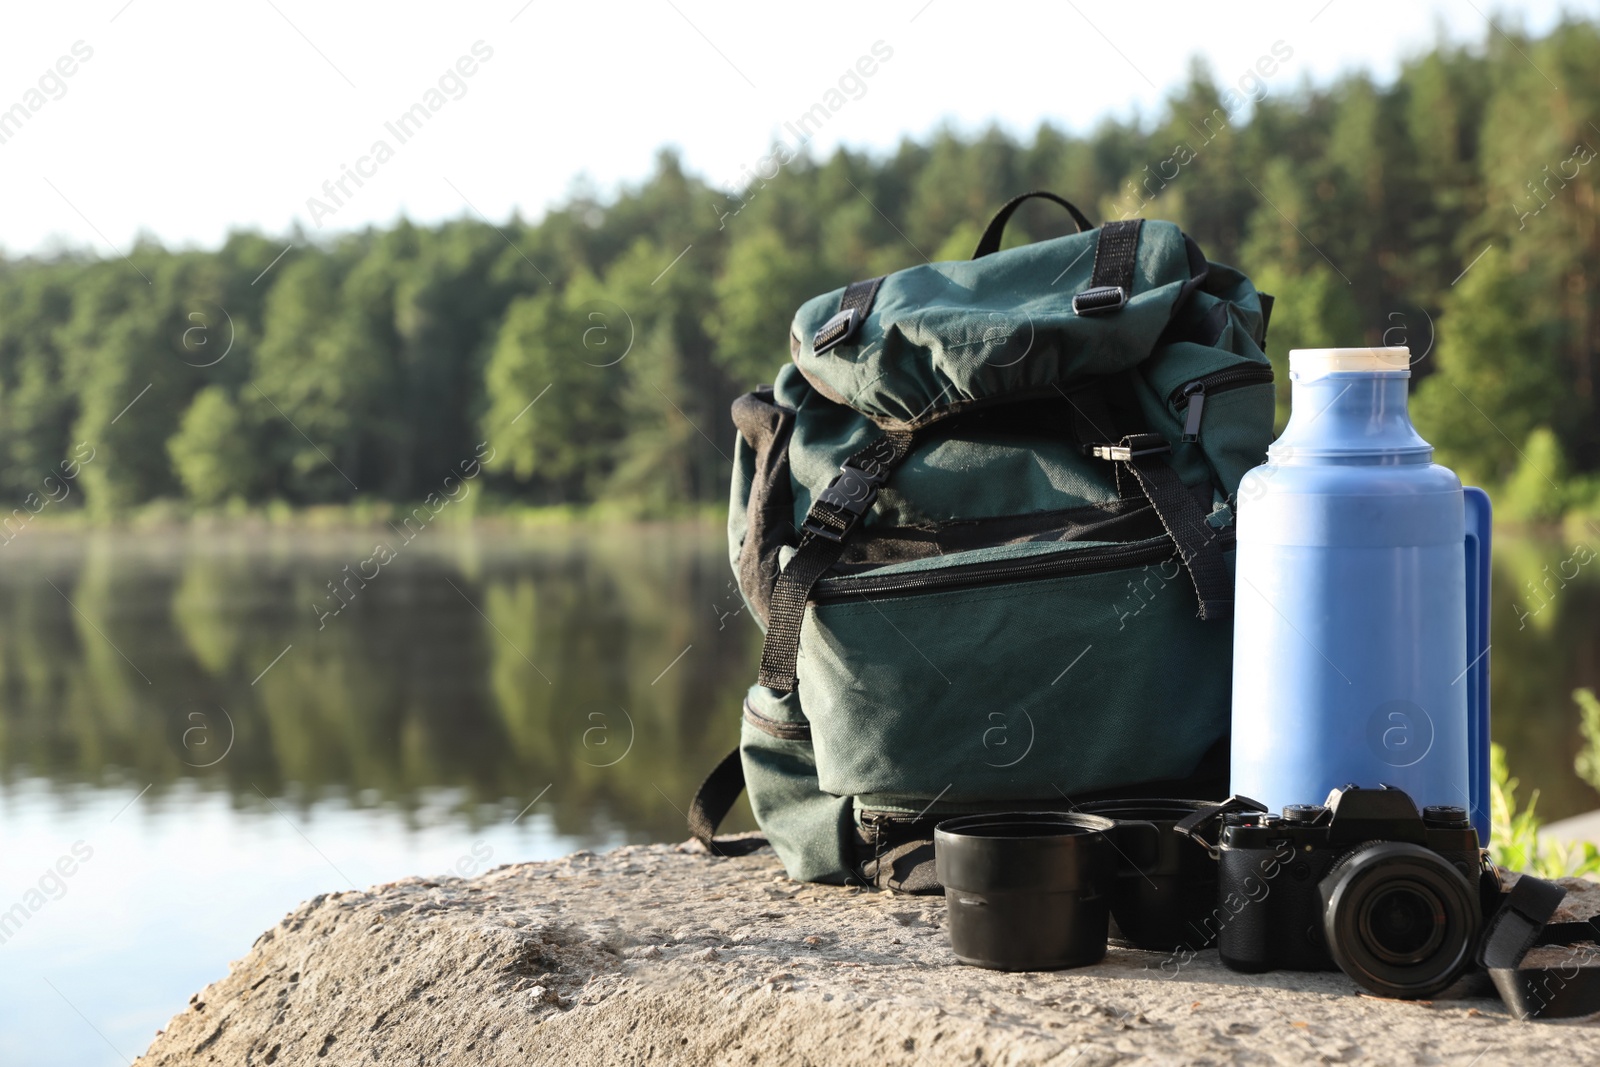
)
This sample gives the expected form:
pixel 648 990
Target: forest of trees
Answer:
pixel 1453 210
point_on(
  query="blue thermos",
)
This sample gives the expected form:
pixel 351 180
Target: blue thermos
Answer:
pixel 1361 634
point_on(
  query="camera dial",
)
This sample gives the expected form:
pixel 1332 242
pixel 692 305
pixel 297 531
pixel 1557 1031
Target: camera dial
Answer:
pixel 1302 814
pixel 1446 815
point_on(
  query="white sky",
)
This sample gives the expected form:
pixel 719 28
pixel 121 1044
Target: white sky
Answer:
pixel 192 118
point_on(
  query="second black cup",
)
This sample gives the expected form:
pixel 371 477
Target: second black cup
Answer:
pixel 1167 887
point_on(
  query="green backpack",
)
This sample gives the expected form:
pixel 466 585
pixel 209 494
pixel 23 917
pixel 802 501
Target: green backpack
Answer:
pixel 983 518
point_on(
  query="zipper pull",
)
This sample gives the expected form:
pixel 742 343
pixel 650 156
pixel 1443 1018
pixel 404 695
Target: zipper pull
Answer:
pixel 1196 392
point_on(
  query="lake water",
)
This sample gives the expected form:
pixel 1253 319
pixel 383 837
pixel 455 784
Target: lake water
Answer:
pixel 192 741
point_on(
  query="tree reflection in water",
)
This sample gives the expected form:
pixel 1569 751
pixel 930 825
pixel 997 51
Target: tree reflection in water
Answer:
pixel 492 664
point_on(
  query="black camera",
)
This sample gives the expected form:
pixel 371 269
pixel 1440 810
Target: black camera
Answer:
pixel 1394 898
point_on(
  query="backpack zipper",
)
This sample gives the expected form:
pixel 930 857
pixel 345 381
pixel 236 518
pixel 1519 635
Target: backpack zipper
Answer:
pixel 876 822
pixel 1192 395
pixel 1069 564
pixel 873 822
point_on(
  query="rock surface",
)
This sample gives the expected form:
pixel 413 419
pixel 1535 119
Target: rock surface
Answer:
pixel 661 954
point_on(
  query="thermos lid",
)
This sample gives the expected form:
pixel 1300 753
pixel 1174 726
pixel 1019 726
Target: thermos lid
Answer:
pixel 1315 362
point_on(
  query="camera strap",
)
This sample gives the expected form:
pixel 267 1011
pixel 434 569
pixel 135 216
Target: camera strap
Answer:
pixel 1521 923
pixel 1193 826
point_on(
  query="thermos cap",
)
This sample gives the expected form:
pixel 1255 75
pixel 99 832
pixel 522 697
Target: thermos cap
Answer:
pixel 1315 362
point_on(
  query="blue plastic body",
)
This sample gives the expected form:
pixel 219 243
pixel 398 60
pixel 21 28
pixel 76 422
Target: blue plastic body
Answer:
pixel 1361 628
pixel 1480 522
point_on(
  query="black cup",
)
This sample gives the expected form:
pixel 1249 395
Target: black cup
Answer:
pixel 1167 886
pixel 1029 891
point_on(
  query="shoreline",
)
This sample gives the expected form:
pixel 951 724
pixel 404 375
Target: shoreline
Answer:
pixel 358 518
pixel 1574 829
pixel 496 514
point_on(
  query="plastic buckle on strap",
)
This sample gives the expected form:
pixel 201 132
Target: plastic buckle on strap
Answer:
pixel 1100 300
pixel 836 331
pixel 1145 444
pixel 848 496
pixel 814 525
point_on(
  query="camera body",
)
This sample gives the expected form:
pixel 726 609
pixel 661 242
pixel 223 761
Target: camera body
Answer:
pixel 1363 882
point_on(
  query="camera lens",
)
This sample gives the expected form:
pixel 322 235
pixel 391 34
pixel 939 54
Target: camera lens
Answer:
pixel 1399 919
pixel 1402 923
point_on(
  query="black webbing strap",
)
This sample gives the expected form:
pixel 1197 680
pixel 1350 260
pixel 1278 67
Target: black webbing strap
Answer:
pixel 1193 824
pixel 1116 254
pixel 1181 515
pixel 854 306
pixel 835 512
pixel 1523 921
pixel 711 804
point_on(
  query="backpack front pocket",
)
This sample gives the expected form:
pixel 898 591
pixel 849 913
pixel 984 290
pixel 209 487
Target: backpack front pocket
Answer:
pixel 1028 671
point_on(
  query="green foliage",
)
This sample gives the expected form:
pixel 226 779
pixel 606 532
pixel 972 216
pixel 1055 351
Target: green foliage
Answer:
pixel 1309 308
pixel 764 280
pixel 212 451
pixel 1452 209
pixel 1539 487
pixel 547 350
pixel 1514 835
pixel 1498 378
pixel 650 471
pixel 1587 761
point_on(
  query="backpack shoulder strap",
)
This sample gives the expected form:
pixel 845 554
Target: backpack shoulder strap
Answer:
pixel 835 514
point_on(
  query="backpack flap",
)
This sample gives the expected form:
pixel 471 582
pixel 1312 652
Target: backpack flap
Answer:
pixel 922 343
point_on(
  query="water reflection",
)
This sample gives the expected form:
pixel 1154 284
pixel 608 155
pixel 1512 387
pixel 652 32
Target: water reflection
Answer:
pixel 1546 643
pixel 605 664
pixel 595 663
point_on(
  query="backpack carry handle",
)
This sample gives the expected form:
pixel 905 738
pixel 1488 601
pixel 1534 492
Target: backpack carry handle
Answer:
pixel 990 241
